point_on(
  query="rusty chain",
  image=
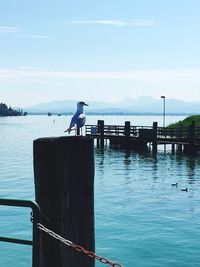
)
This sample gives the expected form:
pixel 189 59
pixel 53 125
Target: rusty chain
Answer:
pixel 77 247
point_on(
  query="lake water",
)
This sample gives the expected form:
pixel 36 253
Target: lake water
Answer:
pixel 141 219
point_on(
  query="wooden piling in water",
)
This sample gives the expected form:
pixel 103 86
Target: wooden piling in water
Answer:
pixel 179 148
pixel 64 188
pixel 191 148
pixel 173 148
pixel 127 131
pixel 155 143
pixel 100 124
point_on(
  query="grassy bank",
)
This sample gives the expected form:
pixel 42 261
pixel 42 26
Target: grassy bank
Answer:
pixel 186 122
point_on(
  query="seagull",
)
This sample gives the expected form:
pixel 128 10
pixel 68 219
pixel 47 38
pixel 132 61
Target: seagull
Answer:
pixel 79 119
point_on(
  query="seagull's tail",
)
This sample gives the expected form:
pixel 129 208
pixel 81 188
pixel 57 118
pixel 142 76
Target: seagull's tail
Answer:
pixel 68 130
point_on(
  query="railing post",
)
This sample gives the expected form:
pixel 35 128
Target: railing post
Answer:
pixel 192 132
pixel 154 143
pixel 64 187
pixel 127 130
pixel 179 148
pixel 35 232
pixel 100 124
pixel 191 136
pixel 179 131
pixel 35 236
pixel 173 148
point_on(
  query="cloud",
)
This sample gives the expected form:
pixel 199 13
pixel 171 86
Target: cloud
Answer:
pixel 29 68
pixel 5 29
pixel 142 22
pixel 9 29
pixel 118 23
pixel 150 76
pixel 39 36
pixel 102 22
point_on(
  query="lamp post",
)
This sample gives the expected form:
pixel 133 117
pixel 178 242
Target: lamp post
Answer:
pixel 163 97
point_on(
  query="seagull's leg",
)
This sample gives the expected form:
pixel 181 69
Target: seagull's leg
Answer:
pixel 78 131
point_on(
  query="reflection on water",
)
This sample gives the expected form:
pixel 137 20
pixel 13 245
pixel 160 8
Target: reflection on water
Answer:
pixel 191 166
pixel 163 165
pixel 138 187
pixel 127 159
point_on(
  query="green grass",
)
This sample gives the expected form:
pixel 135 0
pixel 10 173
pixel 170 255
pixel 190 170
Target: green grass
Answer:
pixel 186 122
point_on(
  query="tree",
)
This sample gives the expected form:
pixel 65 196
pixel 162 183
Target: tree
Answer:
pixel 5 111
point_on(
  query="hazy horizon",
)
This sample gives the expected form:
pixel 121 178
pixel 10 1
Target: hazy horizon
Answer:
pixel 116 102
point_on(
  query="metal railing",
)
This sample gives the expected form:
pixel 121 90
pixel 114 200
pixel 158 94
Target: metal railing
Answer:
pixel 39 227
pixel 35 241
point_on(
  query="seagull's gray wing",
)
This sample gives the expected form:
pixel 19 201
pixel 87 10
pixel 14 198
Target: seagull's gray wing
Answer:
pixel 72 123
pixel 81 120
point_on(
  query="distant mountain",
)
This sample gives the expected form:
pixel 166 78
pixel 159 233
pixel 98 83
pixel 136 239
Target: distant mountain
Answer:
pixel 140 105
pixel 67 106
pixel 142 100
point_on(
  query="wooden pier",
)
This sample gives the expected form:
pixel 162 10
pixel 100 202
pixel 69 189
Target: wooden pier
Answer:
pixel 185 139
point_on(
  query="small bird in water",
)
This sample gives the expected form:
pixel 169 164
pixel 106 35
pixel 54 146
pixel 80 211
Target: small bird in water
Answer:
pixel 79 119
pixel 176 184
pixel 185 189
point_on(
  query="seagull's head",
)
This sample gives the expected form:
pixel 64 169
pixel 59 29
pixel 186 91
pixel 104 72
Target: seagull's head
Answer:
pixel 81 104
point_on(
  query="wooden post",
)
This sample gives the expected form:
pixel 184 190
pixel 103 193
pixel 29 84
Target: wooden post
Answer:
pixel 173 148
pixel 64 188
pixel 179 131
pixel 100 124
pixel 191 135
pixel 98 144
pixel 179 148
pixel 155 125
pixel 192 132
pixel 127 130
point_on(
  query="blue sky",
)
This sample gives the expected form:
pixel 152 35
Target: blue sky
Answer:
pixel 98 50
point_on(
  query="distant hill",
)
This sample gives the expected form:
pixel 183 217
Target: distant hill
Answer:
pixel 141 105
